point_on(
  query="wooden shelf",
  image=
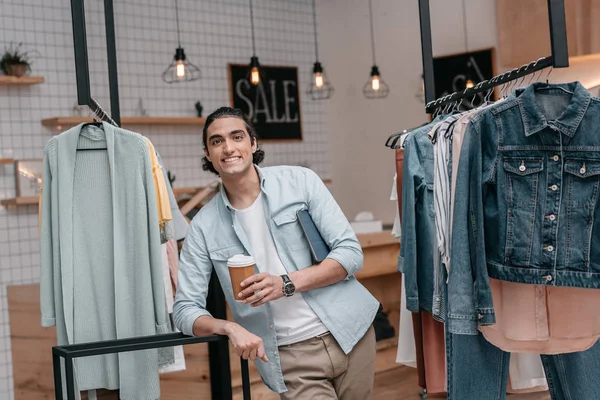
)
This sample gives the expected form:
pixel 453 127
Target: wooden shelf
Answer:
pixel 61 122
pixel 24 80
pixel 21 201
pixel 6 161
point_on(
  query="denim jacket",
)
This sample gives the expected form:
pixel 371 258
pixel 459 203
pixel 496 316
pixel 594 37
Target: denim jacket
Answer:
pixel 526 199
pixel 346 308
pixel 418 247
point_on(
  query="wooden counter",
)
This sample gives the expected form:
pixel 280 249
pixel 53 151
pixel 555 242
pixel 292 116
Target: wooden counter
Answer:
pixel 31 344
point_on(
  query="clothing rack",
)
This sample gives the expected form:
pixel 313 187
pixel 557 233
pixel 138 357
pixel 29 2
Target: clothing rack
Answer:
pixel 218 350
pixel 82 71
pixel 558 59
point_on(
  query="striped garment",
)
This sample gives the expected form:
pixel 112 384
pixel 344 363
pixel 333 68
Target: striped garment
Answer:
pixel 441 206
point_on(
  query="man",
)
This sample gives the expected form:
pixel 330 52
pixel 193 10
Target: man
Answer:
pixel 317 340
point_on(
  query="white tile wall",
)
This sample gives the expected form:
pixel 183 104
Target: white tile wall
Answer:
pixel 213 33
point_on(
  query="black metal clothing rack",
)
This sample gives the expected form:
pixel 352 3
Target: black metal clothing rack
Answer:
pixel 69 353
pixel 218 346
pixel 558 59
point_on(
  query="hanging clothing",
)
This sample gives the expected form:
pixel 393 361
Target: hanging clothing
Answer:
pixel 541 319
pixel 417 248
pixel 515 223
pixel 100 243
pixel 180 225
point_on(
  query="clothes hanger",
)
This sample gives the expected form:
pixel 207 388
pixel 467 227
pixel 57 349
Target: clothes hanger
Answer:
pixel 98 116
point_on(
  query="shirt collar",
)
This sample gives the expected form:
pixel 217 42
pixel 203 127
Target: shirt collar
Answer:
pixel 568 122
pixel 223 193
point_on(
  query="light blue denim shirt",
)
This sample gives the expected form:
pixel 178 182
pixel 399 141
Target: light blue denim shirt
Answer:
pixel 346 308
pixel 527 199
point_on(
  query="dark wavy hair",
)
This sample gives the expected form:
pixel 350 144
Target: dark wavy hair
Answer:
pixel 228 112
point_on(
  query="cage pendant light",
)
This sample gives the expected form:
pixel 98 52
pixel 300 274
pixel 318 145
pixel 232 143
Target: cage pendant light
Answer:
pixel 375 88
pixel 180 69
pixel 319 87
pixel 256 73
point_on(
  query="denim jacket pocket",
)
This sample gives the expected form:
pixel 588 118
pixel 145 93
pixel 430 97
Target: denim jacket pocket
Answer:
pixel 287 222
pixel 582 184
pixel 522 183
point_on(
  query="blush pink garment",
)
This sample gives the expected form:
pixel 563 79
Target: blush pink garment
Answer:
pixel 173 257
pixel 543 319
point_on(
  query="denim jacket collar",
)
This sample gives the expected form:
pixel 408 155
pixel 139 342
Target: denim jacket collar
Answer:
pixel 533 118
pixel 261 178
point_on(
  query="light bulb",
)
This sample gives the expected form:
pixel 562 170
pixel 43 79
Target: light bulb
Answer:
pixel 319 80
pixel 375 83
pixel 254 76
pixel 180 71
pixel 469 84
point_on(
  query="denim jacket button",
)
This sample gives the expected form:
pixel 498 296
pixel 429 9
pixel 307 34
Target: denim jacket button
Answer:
pixel 555 158
pixel 549 248
pixel 551 217
pixel 548 278
pixel 554 188
pixel 480 316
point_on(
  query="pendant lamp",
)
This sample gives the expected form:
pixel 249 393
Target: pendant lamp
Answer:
pixel 469 81
pixel 319 87
pixel 375 88
pixel 181 69
pixel 255 72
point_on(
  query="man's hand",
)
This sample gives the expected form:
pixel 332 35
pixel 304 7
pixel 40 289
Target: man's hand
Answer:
pixel 247 345
pixel 267 287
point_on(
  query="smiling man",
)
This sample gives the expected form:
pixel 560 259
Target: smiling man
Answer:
pixel 307 327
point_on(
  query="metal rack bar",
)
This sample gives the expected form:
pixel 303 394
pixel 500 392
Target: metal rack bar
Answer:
pixel 427 50
pixel 558 59
pixel 69 353
pixel 111 52
pixel 498 80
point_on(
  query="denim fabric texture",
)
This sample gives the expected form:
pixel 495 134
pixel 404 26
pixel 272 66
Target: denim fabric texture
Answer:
pixel 418 226
pixel 477 370
pixel 526 199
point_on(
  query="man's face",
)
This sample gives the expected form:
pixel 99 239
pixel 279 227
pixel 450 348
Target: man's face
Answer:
pixel 229 146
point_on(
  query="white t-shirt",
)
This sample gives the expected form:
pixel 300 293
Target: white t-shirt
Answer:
pixel 293 318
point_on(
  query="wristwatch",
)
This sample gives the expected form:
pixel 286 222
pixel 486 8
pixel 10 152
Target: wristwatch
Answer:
pixel 288 286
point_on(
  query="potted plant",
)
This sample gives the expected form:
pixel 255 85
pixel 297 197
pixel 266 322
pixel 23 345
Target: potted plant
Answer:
pixel 15 62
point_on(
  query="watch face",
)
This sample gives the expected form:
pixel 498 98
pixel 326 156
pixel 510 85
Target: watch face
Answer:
pixel 289 289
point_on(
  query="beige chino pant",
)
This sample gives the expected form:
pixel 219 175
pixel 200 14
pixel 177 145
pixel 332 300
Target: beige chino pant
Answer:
pixel 318 369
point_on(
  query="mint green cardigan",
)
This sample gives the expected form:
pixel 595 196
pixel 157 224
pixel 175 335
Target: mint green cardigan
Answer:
pixel 139 299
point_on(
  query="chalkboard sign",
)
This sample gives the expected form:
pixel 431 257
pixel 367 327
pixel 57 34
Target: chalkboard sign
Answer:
pixel 451 74
pixel 273 106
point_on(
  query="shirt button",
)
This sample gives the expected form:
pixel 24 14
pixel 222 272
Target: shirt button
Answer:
pixel 271 326
pixel 555 158
pixel 547 278
pixel 554 188
pixel 551 217
pixel 550 248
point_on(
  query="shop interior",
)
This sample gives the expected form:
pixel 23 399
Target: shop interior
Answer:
pixel 347 81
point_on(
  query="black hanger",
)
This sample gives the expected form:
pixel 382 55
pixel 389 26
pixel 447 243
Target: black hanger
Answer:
pixel 394 137
pixel 99 116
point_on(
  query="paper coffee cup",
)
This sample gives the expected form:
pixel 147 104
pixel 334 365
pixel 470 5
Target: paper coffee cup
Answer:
pixel 240 268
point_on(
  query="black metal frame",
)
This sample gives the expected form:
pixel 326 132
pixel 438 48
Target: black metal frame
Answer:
pixel 558 59
pixel 69 353
pixel 82 71
pixel 220 371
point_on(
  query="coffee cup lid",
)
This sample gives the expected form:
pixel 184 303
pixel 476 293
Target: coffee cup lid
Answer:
pixel 240 260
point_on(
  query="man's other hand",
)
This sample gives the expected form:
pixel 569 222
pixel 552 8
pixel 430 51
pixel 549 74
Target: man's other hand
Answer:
pixel 262 288
pixel 247 345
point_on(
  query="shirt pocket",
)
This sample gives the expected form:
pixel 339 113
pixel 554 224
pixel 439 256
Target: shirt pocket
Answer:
pixel 522 181
pixel 288 225
pixel 583 177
